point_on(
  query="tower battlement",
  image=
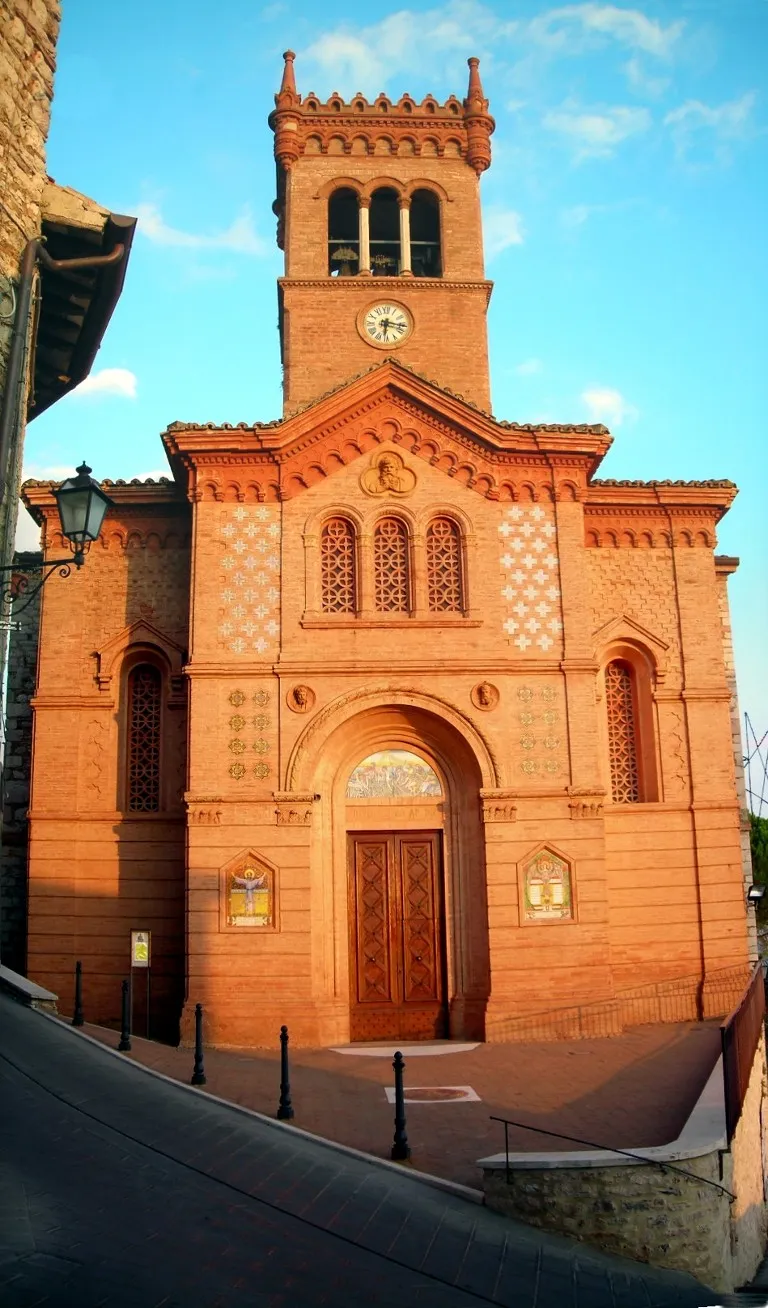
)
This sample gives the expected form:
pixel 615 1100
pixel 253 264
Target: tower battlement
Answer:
pixel 405 127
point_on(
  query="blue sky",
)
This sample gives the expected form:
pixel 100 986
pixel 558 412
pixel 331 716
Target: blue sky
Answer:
pixel 624 220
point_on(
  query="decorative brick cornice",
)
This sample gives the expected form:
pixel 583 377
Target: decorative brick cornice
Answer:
pixel 498 805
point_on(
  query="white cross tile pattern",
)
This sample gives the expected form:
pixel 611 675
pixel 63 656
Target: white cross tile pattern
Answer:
pixel 530 591
pixel 249 610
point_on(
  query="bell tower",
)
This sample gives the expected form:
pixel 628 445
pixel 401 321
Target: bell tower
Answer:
pixel 378 209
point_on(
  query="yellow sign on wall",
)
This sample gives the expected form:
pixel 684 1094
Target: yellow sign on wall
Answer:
pixel 140 948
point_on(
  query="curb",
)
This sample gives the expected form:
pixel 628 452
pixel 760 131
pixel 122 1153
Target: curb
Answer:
pixel 464 1192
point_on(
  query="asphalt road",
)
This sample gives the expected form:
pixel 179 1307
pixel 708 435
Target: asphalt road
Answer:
pixel 117 1188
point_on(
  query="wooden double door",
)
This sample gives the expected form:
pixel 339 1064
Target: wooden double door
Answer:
pixel 397 936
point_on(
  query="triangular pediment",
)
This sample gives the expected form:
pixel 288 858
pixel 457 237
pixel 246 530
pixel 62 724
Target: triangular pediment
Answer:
pixel 391 404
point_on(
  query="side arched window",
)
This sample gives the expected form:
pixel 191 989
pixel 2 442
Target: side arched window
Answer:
pixel 145 687
pixel 444 571
pixel 623 741
pixel 338 566
pixel 385 232
pixel 426 255
pixel 343 233
pixel 391 571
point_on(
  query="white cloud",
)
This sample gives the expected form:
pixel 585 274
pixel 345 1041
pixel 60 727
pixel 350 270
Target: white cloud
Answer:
pixel 350 59
pixel 501 228
pixel 578 214
pixel 608 406
pixel 528 367
pixel 109 381
pixel 239 238
pixel 642 82
pixel 353 58
pixel 569 28
pixel 596 134
pixel 727 122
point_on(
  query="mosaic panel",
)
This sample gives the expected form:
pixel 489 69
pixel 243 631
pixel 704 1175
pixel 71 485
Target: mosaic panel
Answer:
pixel 249 616
pixel 392 772
pixel 531 580
pixel 250 897
pixel 547 888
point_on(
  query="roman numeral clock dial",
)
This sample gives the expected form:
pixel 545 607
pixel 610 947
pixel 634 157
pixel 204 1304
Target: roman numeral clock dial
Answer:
pixel 385 325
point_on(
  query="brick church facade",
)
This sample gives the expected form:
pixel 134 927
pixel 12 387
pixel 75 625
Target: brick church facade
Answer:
pixel 389 719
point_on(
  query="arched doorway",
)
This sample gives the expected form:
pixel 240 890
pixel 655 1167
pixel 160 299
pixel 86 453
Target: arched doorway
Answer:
pixel 417 857
pixel 396 901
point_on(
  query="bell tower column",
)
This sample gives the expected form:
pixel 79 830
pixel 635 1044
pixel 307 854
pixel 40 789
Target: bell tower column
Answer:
pixel 364 212
pixel 405 237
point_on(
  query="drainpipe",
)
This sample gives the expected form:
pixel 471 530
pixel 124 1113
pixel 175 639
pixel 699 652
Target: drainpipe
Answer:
pixel 9 412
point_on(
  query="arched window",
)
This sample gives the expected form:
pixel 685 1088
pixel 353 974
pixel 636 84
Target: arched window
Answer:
pixel 145 685
pixel 426 258
pixel 623 744
pixel 444 572
pixel 343 233
pixel 385 232
pixel 338 567
pixel 391 574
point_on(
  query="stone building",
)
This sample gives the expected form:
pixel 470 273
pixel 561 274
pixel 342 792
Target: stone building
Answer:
pixel 62 264
pixel 389 718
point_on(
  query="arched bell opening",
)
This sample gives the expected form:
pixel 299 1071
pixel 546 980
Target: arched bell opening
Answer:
pixel 385 232
pixel 343 233
pixel 426 254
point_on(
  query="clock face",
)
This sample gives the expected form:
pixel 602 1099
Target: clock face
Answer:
pixel 386 324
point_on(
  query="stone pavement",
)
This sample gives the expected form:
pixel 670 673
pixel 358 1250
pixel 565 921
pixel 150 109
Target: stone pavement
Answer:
pixel 632 1090
pixel 120 1189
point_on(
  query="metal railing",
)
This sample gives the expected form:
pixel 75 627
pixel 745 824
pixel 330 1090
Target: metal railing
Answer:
pixel 678 999
pixel 740 1035
pixel 609 1149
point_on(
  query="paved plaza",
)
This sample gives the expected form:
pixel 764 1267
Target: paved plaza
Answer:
pixel 630 1091
pixel 117 1188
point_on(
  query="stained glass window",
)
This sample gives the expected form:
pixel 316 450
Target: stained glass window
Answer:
pixel 392 772
pixel 144 714
pixel 390 567
pixel 337 555
pixel 622 733
pixel 444 567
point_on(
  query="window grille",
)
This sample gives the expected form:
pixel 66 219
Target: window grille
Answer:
pixel 337 555
pixel 144 713
pixel 390 567
pixel 444 567
pixel 622 734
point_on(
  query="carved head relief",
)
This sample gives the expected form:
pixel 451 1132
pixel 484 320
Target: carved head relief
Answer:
pixel 388 475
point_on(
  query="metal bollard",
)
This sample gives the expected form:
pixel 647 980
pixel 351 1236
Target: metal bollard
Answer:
pixel 400 1146
pixel 198 1073
pixel 77 1016
pixel 125 1029
pixel 285 1107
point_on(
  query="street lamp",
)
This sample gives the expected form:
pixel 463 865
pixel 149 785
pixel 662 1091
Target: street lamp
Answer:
pixel 82 505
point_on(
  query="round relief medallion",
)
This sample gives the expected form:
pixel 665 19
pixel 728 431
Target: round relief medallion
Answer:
pixel 385 324
pixel 484 696
pixel 300 698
